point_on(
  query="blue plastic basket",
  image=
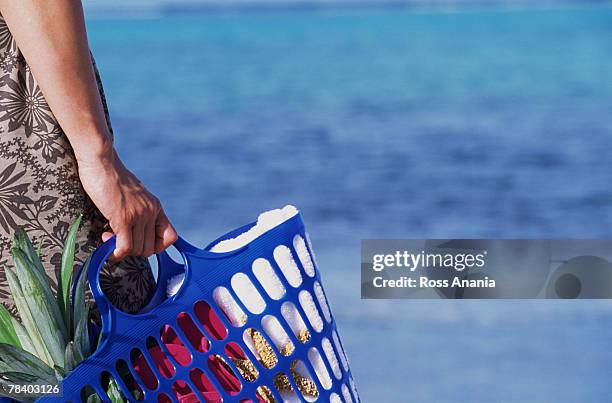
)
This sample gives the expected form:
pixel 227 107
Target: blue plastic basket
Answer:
pixel 124 335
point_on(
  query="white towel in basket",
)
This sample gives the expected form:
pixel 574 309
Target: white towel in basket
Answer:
pixel 265 222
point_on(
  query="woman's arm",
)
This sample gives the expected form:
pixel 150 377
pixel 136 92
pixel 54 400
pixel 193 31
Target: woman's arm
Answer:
pixel 51 36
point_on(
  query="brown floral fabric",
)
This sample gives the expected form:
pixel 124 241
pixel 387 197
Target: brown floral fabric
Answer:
pixel 40 188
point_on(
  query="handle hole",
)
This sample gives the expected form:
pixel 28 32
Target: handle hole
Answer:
pixel 127 285
pixel 174 255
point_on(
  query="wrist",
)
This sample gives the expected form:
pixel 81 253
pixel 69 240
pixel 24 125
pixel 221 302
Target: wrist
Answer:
pixel 93 150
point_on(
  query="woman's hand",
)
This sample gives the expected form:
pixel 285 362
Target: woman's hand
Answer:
pixel 135 216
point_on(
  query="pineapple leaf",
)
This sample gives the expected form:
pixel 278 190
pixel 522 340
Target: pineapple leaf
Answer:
pixel 18 360
pixel 67 268
pixel 22 242
pixel 81 335
pixel 72 358
pixel 23 257
pixel 24 337
pixel 4 367
pixel 19 377
pixel 67 309
pixel 94 398
pixel 60 373
pixel 79 314
pixel 44 309
pixel 26 316
pixel 7 329
pixel 113 392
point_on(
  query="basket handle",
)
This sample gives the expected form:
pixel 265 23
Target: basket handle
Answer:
pixel 166 267
pixel 102 253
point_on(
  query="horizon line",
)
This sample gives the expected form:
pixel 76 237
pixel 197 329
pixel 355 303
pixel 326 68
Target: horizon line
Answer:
pixel 178 8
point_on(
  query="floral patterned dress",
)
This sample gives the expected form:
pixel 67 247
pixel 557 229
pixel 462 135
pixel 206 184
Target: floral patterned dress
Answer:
pixel 40 188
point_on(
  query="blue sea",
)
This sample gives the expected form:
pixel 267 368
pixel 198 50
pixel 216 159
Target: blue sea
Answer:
pixel 389 123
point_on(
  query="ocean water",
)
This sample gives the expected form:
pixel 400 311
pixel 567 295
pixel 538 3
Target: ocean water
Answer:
pixel 390 123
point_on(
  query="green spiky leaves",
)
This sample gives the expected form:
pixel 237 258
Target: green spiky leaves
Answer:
pixel 52 337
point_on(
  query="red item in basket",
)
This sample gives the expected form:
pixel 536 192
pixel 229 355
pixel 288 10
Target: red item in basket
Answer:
pixel 226 378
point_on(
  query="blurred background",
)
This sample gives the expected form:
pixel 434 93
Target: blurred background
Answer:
pixel 387 119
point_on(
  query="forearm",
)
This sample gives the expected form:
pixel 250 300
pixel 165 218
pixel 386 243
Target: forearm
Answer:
pixel 51 36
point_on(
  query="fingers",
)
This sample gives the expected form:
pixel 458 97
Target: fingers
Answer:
pixel 123 246
pixel 141 230
pixel 165 234
pixel 149 239
pixel 154 209
pixel 143 238
pixel 138 237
